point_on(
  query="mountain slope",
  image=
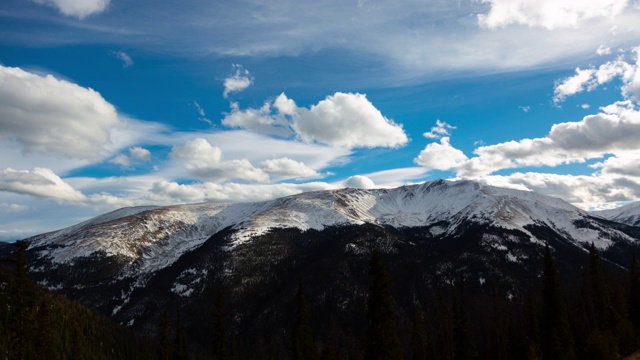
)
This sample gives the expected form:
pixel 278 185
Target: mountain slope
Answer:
pixel 628 214
pixel 133 263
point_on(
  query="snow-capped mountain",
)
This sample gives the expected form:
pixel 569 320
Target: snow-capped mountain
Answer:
pixel 628 214
pixel 134 262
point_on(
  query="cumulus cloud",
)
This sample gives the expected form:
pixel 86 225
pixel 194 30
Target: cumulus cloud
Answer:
pixel 40 182
pixel 344 120
pixel 628 71
pixel 231 192
pixel 122 160
pixel 239 81
pixel 43 114
pixel 549 14
pixel 348 120
pixel 135 153
pixel 603 50
pixel 267 120
pixel 584 191
pixel 205 162
pixel 623 164
pixel 359 182
pixel 127 61
pixel 441 156
pixel 288 168
pixel 77 8
pixel 140 153
pixel 441 129
pixel 612 131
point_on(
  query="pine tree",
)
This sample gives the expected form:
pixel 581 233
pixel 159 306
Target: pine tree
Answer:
pixel 633 297
pixel 220 333
pixel 22 325
pixel 303 345
pixel 418 336
pixel 165 351
pixel 555 335
pixel 381 336
pixel 180 351
pixel 464 347
pixel 604 314
pixel 47 340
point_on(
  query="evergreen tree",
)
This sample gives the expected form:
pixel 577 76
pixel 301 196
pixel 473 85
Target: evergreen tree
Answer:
pixel 303 345
pixel 22 324
pixel 381 336
pixel 464 347
pixel 419 340
pixel 47 347
pixel 220 332
pixel 165 351
pixel 555 336
pixel 180 351
pixel 604 314
pixel 633 293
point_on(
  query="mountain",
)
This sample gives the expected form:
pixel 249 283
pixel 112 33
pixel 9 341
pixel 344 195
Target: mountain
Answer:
pixel 628 214
pixel 134 263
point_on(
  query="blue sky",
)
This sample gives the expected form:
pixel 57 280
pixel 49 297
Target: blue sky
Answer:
pixel 113 103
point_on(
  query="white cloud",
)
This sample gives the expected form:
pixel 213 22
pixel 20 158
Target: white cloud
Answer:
pixel 127 61
pixel 348 120
pixel 441 129
pixel 441 156
pixel 359 182
pixel 40 182
pixel 344 120
pixel 588 79
pixel 205 162
pixel 584 191
pixel 288 168
pixel 622 164
pixel 262 120
pixel 140 153
pixel 122 160
pixel 203 115
pixel 43 114
pixel 549 14
pixel 397 177
pixel 583 79
pixel 615 130
pixel 137 153
pixel 13 208
pixel 603 50
pixel 77 8
pixel 198 152
pixel 239 81
pixel 231 192
pixel 380 49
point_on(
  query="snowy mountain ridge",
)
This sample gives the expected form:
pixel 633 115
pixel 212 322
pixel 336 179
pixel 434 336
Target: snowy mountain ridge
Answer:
pixel 628 214
pixel 151 238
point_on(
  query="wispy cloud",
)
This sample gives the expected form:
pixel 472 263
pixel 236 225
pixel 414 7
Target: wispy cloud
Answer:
pixel 77 8
pixel 127 61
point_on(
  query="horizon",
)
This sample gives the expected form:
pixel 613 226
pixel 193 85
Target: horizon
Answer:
pixel 107 104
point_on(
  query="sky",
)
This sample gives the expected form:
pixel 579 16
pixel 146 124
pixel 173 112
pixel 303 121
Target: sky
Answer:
pixel 112 103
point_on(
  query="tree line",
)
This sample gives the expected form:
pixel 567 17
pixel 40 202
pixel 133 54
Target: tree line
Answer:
pixel 595 316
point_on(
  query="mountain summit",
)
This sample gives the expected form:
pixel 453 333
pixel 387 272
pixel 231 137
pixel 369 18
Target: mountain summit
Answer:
pixel 134 262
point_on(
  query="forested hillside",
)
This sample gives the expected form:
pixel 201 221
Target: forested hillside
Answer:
pixel 38 324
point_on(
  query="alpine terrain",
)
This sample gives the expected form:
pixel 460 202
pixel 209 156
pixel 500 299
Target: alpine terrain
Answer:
pixel 135 263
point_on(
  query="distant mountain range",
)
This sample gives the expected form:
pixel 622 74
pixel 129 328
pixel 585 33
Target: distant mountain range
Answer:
pixel 134 263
